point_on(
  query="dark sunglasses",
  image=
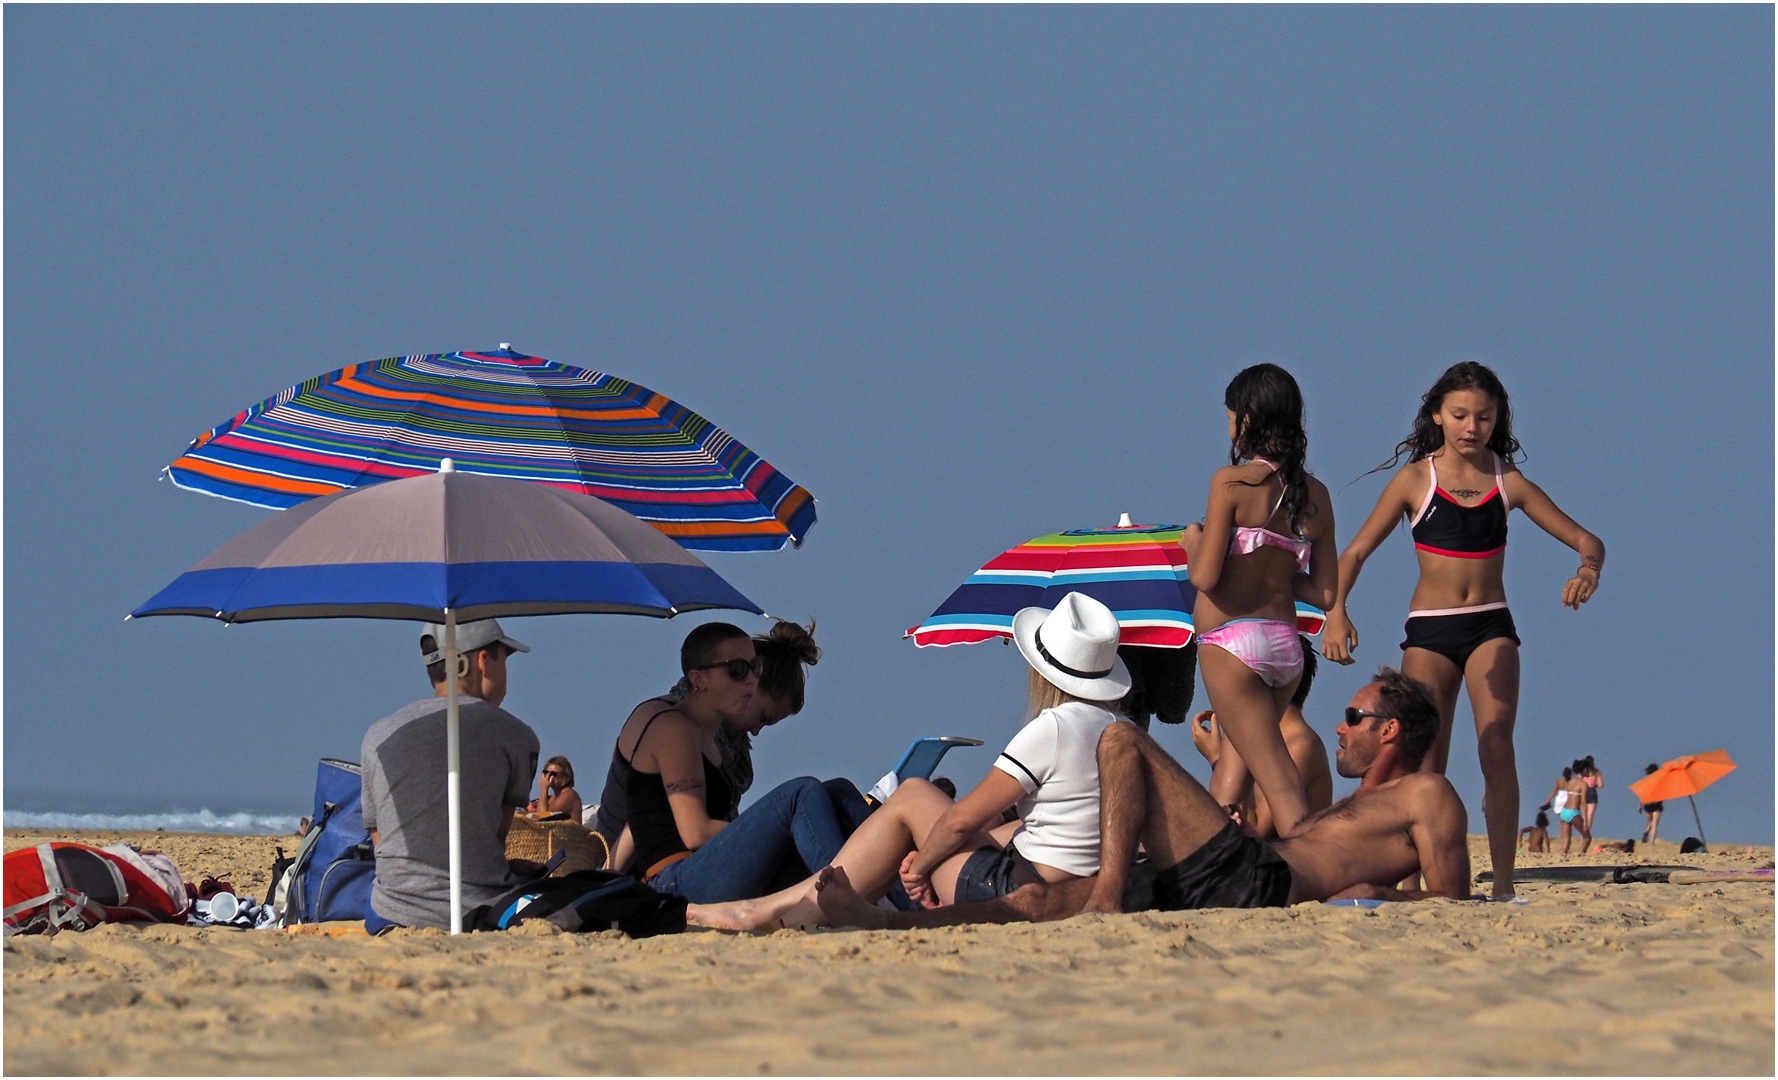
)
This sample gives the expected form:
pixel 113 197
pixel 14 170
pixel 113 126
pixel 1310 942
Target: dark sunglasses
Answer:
pixel 738 670
pixel 553 772
pixel 1355 716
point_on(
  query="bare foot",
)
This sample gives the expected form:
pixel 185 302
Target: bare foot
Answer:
pixel 842 905
pixel 735 915
pixel 794 910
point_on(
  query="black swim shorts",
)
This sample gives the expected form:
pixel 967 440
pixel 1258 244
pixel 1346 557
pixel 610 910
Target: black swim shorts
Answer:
pixel 988 874
pixel 1232 869
pixel 1454 637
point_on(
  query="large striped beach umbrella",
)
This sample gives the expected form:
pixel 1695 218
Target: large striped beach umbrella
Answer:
pixel 503 413
pixel 1138 571
pixel 446 548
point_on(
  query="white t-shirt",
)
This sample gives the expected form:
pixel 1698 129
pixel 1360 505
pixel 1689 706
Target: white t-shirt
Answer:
pixel 1056 758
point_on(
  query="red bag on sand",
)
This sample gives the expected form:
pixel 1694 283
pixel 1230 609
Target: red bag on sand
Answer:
pixel 59 886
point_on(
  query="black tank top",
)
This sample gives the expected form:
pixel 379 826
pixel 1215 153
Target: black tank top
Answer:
pixel 1445 526
pixel 652 828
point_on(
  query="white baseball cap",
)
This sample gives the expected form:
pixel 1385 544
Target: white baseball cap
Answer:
pixel 470 637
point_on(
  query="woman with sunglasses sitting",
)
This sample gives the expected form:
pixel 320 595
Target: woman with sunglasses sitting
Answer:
pixel 558 791
pixel 678 796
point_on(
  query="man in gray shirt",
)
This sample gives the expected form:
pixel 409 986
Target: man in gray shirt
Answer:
pixel 404 802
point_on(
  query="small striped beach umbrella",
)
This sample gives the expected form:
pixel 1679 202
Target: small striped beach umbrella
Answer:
pixel 503 413
pixel 1138 571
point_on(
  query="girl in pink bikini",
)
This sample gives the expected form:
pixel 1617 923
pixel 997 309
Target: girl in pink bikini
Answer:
pixel 1455 492
pixel 1267 541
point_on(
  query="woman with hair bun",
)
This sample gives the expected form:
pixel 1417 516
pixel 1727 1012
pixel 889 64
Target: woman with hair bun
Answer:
pixel 714 713
pixel 1455 492
pixel 1267 541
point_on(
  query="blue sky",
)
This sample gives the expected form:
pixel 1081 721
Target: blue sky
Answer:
pixel 968 274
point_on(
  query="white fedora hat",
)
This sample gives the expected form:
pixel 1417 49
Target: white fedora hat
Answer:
pixel 1074 646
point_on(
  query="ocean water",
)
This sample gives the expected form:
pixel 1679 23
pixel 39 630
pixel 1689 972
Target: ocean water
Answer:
pixel 177 821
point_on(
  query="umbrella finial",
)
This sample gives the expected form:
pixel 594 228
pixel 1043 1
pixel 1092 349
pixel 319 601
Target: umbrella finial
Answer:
pixel 506 346
pixel 446 465
pixel 1124 522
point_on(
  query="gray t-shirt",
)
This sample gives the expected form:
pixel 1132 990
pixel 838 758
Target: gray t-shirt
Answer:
pixel 404 759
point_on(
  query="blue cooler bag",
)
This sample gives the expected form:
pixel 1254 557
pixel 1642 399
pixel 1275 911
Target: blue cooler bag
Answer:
pixel 335 867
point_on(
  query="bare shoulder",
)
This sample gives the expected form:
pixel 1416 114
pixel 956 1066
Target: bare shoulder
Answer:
pixel 650 717
pixel 1415 475
pixel 1429 792
pixel 1244 474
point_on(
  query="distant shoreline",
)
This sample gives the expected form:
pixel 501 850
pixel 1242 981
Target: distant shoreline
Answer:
pixel 238 823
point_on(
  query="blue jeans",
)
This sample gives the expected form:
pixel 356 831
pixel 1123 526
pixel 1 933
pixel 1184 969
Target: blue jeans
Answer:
pixel 796 818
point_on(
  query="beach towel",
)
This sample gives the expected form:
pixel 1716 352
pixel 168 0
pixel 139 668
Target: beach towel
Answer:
pixel 58 886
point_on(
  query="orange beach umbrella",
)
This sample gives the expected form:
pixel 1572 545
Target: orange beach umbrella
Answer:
pixel 1685 776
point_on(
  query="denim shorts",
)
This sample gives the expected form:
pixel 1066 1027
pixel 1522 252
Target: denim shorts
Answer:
pixel 988 873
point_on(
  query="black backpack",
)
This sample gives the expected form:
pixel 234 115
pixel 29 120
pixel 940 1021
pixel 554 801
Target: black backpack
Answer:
pixel 586 901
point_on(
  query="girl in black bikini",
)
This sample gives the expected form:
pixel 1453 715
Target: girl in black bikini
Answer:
pixel 1456 491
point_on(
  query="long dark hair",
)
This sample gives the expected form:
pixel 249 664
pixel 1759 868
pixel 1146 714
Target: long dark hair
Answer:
pixel 1268 408
pixel 1427 436
pixel 1162 683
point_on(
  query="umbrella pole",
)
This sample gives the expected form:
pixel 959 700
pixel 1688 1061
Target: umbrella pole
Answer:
pixel 1700 822
pixel 453 773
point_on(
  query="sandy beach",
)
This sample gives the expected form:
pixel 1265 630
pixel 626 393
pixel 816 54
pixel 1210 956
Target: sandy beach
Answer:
pixel 1645 979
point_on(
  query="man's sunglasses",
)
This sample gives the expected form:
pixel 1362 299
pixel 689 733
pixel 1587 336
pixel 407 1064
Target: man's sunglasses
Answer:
pixel 738 670
pixel 1356 716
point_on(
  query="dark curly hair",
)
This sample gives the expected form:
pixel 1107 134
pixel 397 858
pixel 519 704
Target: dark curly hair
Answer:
pixel 784 650
pixel 1268 408
pixel 1162 683
pixel 1410 703
pixel 1427 436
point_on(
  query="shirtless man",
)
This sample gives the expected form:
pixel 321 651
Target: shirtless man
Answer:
pixel 1307 751
pixel 1398 822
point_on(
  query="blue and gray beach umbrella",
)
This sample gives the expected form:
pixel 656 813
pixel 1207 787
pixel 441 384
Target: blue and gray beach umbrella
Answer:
pixel 447 547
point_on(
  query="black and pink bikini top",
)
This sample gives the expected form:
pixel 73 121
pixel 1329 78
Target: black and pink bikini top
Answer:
pixel 1445 526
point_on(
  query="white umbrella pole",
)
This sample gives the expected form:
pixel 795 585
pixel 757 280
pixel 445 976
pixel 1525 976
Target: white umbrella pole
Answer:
pixel 453 773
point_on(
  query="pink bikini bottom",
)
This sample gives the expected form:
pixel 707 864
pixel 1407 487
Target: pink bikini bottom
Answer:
pixel 1269 647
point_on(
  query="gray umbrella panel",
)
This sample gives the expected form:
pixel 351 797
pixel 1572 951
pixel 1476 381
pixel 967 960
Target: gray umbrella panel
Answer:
pixel 482 546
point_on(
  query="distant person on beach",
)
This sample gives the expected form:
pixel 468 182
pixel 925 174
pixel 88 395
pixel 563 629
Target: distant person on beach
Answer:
pixel 1399 822
pixel 1567 798
pixel 784 653
pixel 1456 491
pixel 1651 810
pixel 557 785
pixel 1267 541
pixel 404 804
pixel 944 852
pixel 678 795
pixel 1307 751
pixel 1535 837
pixel 1594 780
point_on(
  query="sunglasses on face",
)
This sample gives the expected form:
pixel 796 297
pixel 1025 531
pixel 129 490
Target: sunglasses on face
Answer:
pixel 1355 716
pixel 552 772
pixel 738 670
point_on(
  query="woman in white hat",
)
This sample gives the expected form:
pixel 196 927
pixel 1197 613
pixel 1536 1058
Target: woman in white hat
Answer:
pixel 947 852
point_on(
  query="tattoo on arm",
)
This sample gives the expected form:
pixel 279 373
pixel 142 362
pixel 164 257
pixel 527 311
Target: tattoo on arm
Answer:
pixel 678 786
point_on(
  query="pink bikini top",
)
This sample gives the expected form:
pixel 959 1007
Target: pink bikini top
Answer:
pixel 1247 540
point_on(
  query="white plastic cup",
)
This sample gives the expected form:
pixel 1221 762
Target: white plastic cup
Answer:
pixel 224 907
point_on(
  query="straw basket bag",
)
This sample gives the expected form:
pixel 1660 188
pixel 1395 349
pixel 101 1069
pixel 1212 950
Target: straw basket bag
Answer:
pixel 538 841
